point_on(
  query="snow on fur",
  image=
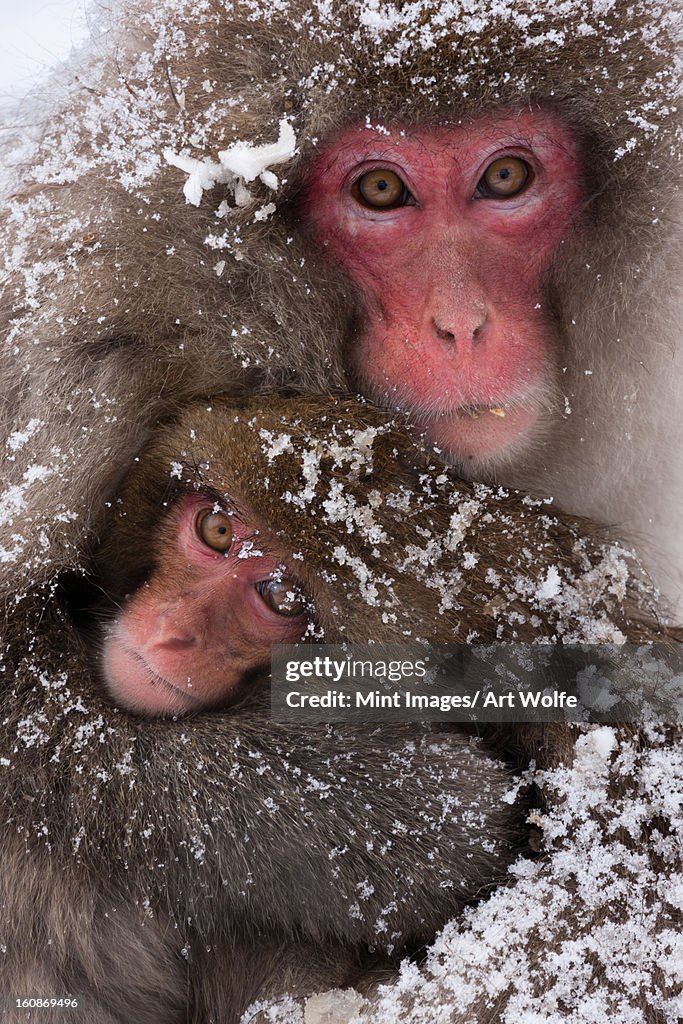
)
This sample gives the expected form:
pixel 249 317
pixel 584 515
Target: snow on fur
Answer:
pixel 131 122
pixel 132 116
pixel 606 901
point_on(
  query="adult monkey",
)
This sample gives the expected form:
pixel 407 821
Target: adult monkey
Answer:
pixel 533 152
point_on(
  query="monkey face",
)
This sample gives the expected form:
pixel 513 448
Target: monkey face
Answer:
pixel 448 233
pixel 203 623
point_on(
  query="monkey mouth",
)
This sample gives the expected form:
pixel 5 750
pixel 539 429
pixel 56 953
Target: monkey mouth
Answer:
pixel 160 680
pixel 475 434
pixel 135 684
pixel 475 411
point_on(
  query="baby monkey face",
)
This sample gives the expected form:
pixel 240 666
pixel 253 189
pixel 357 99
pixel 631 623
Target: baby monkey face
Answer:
pixel 204 621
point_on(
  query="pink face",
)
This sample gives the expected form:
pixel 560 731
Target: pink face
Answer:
pixel 206 618
pixel 448 233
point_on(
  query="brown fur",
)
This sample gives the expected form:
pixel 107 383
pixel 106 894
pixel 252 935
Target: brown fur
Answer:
pixel 603 595
pixel 128 319
pixel 208 847
pixel 370 459
pixel 129 322
pixel 178 871
pixel 155 881
pixel 228 450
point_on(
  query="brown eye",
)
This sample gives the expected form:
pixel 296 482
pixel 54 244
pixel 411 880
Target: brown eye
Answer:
pixel 215 529
pixel 505 178
pixel 381 189
pixel 282 597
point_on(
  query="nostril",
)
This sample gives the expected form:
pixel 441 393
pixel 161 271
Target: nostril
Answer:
pixel 177 643
pixel 442 333
pixel 473 333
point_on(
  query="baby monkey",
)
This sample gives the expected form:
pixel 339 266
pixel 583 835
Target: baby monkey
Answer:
pixel 245 525
pixel 252 842
pixel 203 622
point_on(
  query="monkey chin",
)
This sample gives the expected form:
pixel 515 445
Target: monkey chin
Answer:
pixel 132 684
pixel 481 437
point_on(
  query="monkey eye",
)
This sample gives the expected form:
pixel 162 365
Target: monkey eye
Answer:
pixel 214 529
pixel 504 178
pixel 282 596
pixel 380 189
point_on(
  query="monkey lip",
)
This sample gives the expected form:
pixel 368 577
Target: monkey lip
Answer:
pixel 475 411
pixel 479 432
pixel 135 684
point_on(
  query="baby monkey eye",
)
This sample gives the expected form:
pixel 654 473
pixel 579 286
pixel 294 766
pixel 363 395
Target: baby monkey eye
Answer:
pixel 380 189
pixel 504 178
pixel 282 597
pixel 214 529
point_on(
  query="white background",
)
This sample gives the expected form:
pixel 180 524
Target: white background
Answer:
pixel 34 35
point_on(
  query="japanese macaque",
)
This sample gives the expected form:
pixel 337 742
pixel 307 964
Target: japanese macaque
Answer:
pixel 154 869
pixel 162 869
pixel 215 523
pixel 251 526
pixel 469 216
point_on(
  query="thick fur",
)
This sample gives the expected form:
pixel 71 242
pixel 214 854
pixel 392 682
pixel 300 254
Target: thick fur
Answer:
pixel 401 551
pixel 126 316
pixel 180 870
pixel 167 871
pixel 115 314
pixel 590 932
pixel 392 547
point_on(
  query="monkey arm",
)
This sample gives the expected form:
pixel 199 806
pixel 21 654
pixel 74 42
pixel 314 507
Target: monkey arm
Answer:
pixel 364 834
pixel 590 931
pixel 227 826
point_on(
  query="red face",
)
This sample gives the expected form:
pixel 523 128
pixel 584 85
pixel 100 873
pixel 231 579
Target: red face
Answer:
pixel 205 620
pixel 448 233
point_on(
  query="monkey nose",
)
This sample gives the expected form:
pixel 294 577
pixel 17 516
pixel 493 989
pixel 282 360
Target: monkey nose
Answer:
pixel 173 633
pixel 466 330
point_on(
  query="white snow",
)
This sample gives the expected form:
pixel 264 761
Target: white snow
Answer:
pixel 534 952
pixel 239 163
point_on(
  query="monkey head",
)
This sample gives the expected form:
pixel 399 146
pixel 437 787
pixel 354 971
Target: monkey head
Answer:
pixel 215 596
pixel 448 233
